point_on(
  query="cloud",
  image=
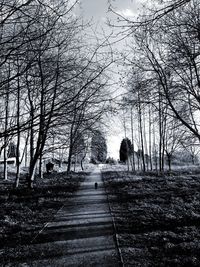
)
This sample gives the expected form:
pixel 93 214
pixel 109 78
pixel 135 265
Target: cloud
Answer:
pixel 128 13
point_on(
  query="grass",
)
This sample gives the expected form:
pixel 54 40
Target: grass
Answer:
pixel 157 217
pixel 24 212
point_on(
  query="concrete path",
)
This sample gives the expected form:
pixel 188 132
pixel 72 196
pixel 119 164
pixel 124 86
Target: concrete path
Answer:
pixel 81 233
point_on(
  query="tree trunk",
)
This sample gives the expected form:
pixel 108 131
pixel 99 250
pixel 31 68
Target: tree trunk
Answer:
pixel 193 159
pixel 145 143
pixel 141 137
pixel 70 148
pixel 133 152
pixel 150 149
pixel 164 137
pixel 138 163
pixel 25 152
pixel 154 149
pixel 160 136
pixel 82 165
pixel 18 134
pixel 127 161
pixel 31 175
pixel 6 136
pixel 5 170
pixel 69 160
pixel 75 161
pixel 169 159
pixel 41 167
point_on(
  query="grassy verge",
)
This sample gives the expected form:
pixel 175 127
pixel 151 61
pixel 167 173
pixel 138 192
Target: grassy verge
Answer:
pixel 24 212
pixel 157 218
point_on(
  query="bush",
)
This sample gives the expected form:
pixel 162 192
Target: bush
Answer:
pixel 110 161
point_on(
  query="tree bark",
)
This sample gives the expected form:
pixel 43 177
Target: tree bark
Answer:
pixel 141 136
pixel 5 134
pixel 18 133
pixel 133 152
pixel 150 149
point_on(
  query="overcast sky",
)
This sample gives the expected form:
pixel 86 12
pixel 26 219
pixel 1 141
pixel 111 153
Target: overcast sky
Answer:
pixel 97 10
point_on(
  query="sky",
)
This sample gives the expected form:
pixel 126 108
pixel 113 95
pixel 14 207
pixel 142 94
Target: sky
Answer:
pixel 97 11
pixel 98 8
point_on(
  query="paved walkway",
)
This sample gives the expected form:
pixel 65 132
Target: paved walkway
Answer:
pixel 81 233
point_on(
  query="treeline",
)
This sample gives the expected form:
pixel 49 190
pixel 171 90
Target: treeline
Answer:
pixel 51 82
pixel 162 103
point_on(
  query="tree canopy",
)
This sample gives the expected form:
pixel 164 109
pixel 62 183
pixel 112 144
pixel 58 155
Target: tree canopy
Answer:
pixel 125 149
pixel 98 147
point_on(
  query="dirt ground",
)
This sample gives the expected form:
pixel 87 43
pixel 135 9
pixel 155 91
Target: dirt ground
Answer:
pixel 157 217
pixel 24 212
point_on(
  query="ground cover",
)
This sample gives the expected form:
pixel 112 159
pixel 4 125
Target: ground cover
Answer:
pixel 24 212
pixel 157 217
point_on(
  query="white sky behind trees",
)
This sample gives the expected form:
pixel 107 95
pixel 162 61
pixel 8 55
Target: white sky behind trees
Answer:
pixel 97 12
pixel 98 8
